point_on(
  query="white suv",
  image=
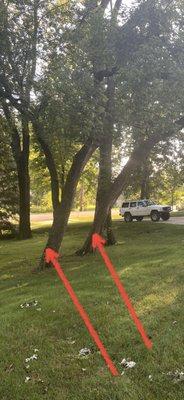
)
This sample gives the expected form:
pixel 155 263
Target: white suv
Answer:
pixel 144 208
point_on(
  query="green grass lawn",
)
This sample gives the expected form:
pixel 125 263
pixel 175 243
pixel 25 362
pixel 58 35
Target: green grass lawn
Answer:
pixel 149 259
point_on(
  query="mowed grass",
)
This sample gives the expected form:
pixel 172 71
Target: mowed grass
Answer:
pixel 149 259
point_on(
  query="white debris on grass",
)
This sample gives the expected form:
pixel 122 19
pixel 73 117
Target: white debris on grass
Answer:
pixel 84 352
pixel 177 376
pixel 150 377
pixel 127 364
pixel 33 357
pixel 38 309
pixel 32 303
pixel 27 379
pixel 174 322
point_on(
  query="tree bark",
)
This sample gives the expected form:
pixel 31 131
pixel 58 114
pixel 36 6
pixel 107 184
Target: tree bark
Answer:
pixel 110 237
pixel 21 156
pixel 24 184
pixel 105 175
pixel 62 212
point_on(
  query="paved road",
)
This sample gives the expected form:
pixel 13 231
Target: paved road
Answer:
pixel 175 221
pixel 48 216
pixel 85 214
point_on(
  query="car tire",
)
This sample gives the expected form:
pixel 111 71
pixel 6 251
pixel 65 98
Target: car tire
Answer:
pixel 155 216
pixel 139 219
pixel 165 216
pixel 128 217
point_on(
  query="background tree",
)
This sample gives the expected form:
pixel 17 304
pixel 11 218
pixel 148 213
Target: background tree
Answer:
pixel 8 177
pixel 18 56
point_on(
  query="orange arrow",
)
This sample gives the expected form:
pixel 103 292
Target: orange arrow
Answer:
pixel 98 242
pixel 52 256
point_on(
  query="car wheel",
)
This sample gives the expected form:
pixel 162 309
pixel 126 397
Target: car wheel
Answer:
pixel 139 219
pixel 128 217
pixel 165 216
pixel 155 216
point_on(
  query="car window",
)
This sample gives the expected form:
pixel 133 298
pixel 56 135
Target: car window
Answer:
pixel 125 205
pixel 133 204
pixel 141 203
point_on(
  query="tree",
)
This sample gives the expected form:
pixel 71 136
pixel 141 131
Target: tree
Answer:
pixel 164 174
pixel 150 112
pixel 8 178
pixel 18 55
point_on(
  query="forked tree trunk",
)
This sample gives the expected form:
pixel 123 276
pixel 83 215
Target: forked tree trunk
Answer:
pixel 62 211
pixel 120 184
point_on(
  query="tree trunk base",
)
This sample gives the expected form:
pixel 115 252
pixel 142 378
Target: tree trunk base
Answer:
pixel 42 265
pixel 24 236
pixel 111 240
pixel 87 247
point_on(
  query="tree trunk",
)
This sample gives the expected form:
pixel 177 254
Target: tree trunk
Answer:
pixel 145 192
pixel 20 152
pixel 104 178
pixel 24 198
pixel 24 184
pixel 62 212
pixel 101 215
pixel 110 239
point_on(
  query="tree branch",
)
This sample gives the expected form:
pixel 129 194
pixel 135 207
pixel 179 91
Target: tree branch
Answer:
pixel 50 162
